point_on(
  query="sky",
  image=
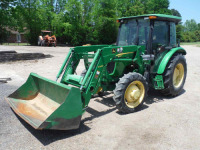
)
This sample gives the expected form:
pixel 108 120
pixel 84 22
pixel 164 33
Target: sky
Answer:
pixel 189 9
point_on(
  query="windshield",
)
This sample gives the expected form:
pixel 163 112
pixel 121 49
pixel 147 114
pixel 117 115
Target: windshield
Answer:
pixel 127 33
pixel 133 32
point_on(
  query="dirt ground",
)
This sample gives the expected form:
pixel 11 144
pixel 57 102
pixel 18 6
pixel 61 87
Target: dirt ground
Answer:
pixel 163 123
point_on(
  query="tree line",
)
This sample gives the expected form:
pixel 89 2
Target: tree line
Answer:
pixel 78 22
pixel 189 31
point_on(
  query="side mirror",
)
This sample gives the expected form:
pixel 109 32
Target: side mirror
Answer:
pixel 178 42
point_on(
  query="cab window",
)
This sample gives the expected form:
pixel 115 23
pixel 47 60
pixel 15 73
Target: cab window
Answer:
pixel 172 34
pixel 160 34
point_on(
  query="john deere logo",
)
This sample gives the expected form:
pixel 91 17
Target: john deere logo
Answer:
pixel 113 50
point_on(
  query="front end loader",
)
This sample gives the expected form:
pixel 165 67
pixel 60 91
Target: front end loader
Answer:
pixel 146 55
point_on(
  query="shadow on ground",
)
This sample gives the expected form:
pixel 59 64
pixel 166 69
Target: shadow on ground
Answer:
pixel 155 96
pixel 106 100
pixel 46 137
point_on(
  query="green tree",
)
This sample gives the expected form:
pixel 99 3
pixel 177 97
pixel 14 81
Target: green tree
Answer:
pixel 175 12
pixel 157 6
pixel 179 30
pixel 198 26
pixel 104 22
pixel 73 27
pixel 197 33
pixel 189 37
pixel 6 19
pixel 137 8
pixel 75 21
pixel 28 17
pixel 121 7
pixel 191 25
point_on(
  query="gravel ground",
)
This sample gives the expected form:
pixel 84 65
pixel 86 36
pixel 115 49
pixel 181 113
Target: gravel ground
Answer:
pixel 163 123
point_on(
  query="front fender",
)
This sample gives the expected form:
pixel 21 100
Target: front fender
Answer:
pixel 167 57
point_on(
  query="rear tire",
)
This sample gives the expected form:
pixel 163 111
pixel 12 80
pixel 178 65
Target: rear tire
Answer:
pixel 175 75
pixel 130 92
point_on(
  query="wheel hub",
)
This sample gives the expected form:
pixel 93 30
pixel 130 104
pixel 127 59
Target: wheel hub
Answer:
pixel 134 94
pixel 178 75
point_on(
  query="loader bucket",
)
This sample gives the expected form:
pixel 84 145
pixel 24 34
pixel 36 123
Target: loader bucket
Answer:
pixel 46 104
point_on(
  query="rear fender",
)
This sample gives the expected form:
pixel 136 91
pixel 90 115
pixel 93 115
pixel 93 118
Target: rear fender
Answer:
pixel 167 57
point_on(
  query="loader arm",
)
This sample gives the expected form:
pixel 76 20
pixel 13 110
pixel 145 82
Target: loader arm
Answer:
pixel 47 104
pixel 96 72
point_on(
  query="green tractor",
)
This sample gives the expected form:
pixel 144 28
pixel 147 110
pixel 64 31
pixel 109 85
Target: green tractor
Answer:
pixel 146 55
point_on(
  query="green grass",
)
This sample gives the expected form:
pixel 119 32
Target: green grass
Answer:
pixel 191 43
pixel 16 44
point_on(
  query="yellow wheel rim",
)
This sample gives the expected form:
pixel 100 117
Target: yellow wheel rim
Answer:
pixel 134 94
pixel 178 75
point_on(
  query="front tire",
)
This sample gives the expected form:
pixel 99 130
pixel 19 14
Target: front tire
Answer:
pixel 175 75
pixel 130 92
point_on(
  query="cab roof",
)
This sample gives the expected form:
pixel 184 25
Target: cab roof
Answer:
pixel 45 31
pixel 162 17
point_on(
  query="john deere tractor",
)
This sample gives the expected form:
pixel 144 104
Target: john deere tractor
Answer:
pixel 146 55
